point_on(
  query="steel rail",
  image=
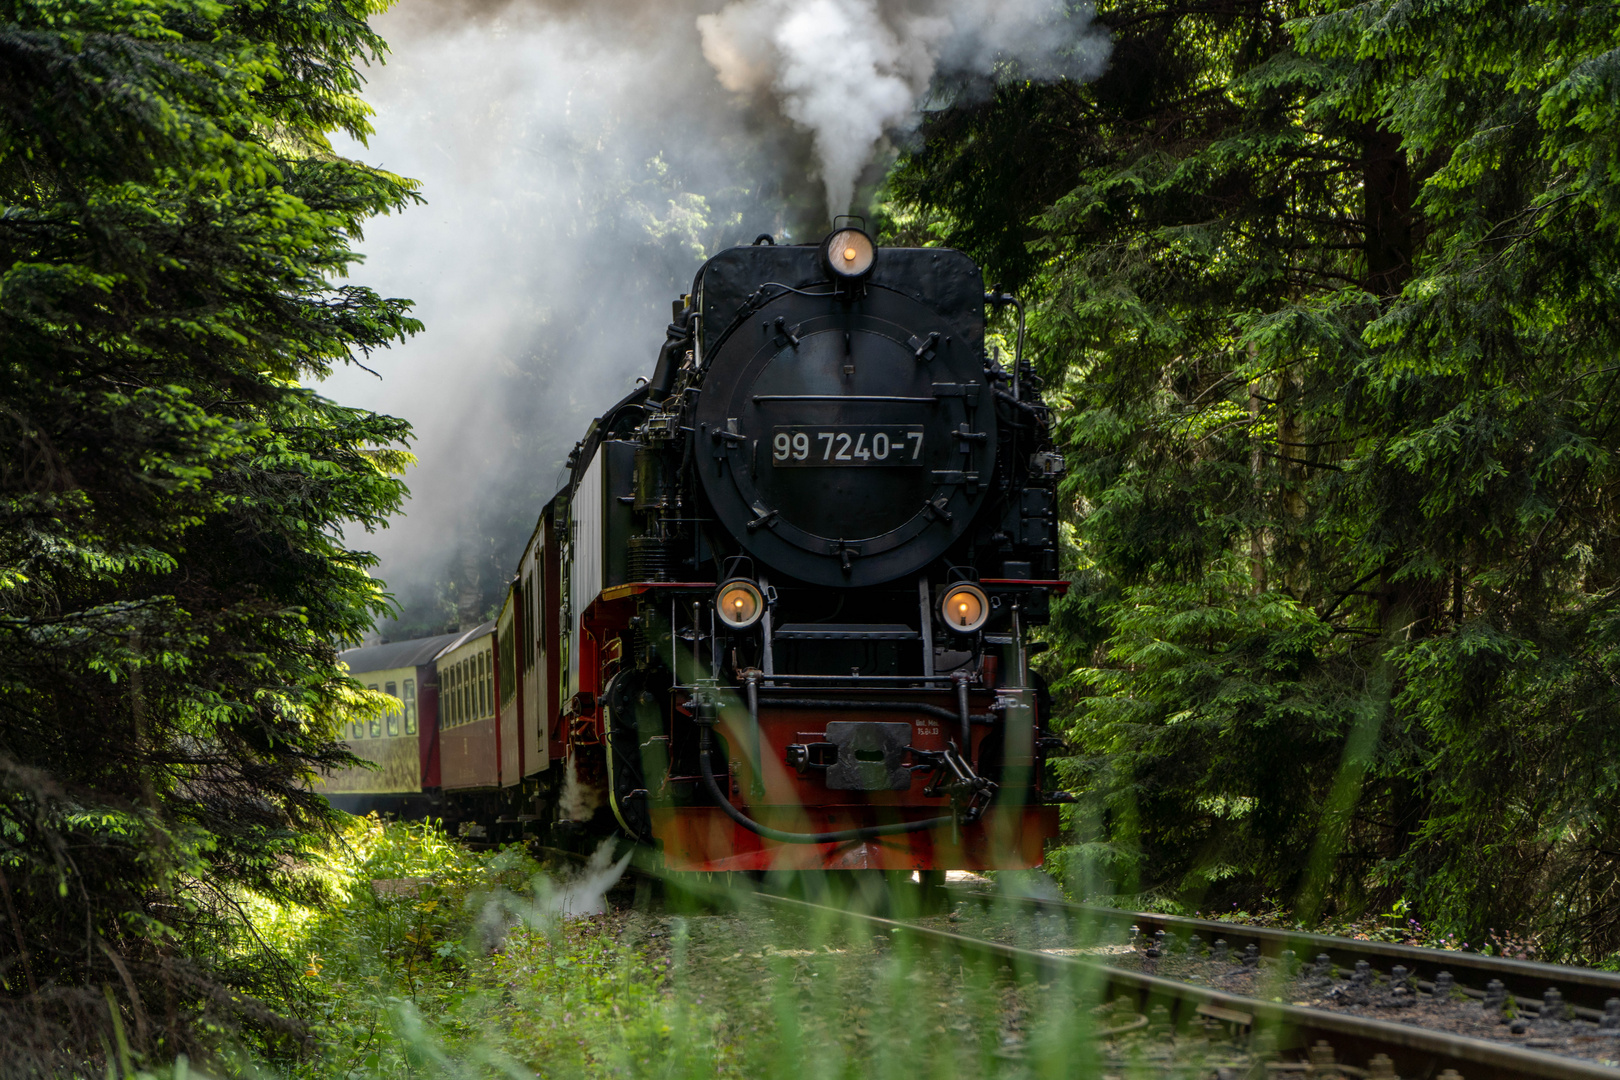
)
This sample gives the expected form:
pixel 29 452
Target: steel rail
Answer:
pixel 1414 1051
pixel 1584 989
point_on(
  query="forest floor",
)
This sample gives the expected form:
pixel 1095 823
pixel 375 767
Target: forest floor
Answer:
pixel 433 961
pixel 440 962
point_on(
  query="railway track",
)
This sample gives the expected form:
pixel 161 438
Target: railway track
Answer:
pixel 1584 992
pixel 1278 1039
pixel 1282 1039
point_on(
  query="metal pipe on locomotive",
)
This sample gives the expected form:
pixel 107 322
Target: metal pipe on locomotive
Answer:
pixel 777 617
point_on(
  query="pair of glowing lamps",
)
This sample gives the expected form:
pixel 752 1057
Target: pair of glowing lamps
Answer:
pixel 739 604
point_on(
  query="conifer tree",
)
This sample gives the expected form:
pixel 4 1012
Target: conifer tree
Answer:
pixel 1328 289
pixel 175 575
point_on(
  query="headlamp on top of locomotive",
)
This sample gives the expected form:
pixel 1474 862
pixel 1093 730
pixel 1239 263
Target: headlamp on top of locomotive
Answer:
pixel 739 603
pixel 849 254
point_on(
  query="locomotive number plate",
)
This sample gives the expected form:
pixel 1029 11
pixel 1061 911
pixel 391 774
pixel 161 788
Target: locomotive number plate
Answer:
pixel 851 444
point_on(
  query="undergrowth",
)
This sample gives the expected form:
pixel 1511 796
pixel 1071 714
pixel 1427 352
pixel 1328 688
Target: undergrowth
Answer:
pixel 430 960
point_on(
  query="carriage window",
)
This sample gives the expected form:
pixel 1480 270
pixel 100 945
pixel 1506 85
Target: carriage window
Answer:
pixel 392 690
pixel 507 683
pixel 410 706
pixel 489 684
pixel 357 730
pixel 376 722
pixel 524 621
pixel 530 622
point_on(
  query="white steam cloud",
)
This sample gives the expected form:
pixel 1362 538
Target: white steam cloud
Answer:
pixel 574 895
pixel 580 158
pixel 585 894
pixel 851 73
pixel 580 800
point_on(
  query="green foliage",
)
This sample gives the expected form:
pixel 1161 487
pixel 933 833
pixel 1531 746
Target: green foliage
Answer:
pixel 1329 292
pixel 442 963
pixel 174 580
pixel 438 961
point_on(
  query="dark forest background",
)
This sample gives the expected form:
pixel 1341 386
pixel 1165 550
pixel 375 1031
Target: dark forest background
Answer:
pixel 1324 296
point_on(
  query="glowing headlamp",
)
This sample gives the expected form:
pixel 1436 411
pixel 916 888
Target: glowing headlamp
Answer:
pixel 848 253
pixel 963 607
pixel 738 603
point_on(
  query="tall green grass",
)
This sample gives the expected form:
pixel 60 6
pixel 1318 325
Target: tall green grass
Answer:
pixel 434 962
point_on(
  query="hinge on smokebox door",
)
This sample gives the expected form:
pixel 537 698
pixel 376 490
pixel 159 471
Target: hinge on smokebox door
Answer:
pixel 966 437
pixel 970 479
pixel 968 392
pixel 723 439
pixel 785 334
pixel 925 350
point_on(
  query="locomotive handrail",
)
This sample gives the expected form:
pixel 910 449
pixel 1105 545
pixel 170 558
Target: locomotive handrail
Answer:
pixel 1057 585
pixel 845 397
pixel 631 588
pixel 876 706
pixel 896 680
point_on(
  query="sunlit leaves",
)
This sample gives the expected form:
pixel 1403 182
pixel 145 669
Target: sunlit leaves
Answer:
pixel 174 576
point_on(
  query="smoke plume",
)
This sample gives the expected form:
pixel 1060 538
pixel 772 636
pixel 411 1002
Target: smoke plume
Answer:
pixel 580 159
pixel 577 894
pixel 584 894
pixel 580 800
pixel 852 73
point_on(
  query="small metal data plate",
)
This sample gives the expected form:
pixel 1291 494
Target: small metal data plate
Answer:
pixel 871 756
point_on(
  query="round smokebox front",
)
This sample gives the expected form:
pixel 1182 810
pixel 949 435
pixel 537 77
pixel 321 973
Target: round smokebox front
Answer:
pixel 834 452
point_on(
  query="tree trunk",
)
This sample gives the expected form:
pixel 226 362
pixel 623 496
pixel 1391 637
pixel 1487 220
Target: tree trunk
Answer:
pixel 1386 184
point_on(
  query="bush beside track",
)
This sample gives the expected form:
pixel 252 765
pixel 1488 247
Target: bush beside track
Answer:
pixel 435 961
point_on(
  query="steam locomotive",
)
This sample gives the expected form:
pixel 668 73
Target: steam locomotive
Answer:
pixel 777 617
